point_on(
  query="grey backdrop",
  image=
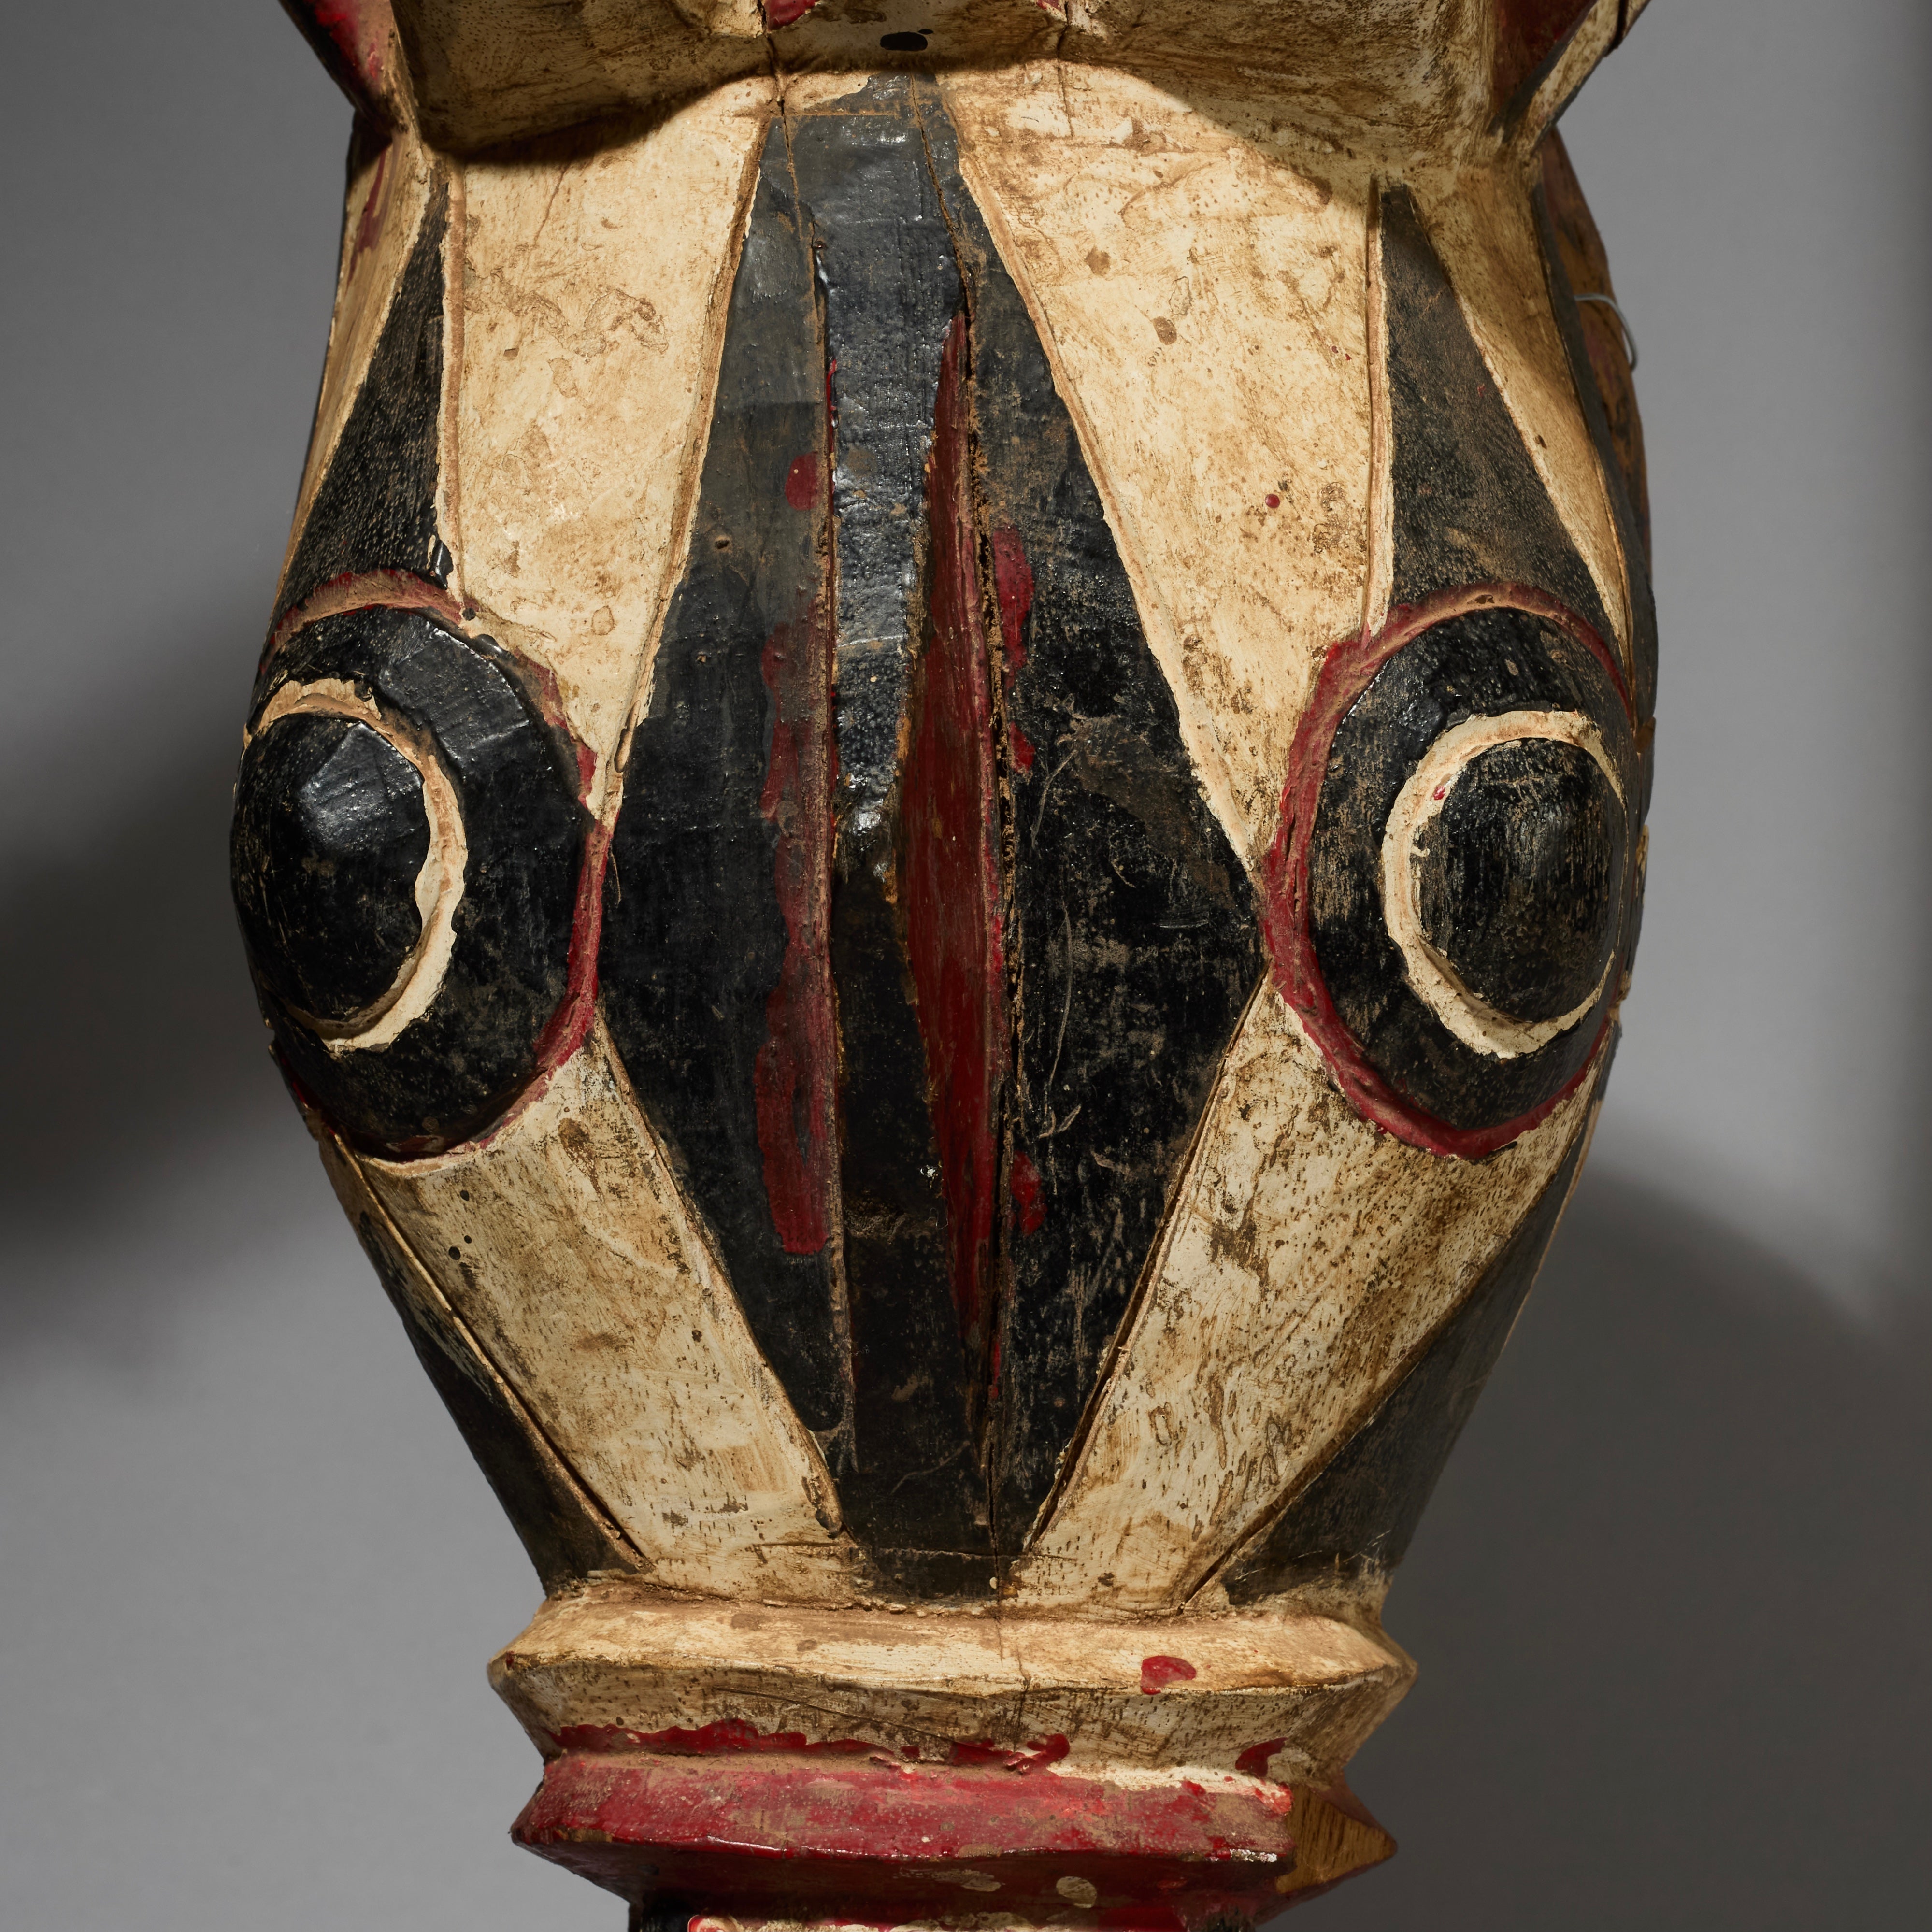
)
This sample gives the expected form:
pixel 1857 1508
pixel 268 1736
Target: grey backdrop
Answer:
pixel 1672 1599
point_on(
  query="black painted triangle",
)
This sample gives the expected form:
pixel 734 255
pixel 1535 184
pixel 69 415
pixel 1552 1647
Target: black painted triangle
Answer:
pixel 376 508
pixel 1468 507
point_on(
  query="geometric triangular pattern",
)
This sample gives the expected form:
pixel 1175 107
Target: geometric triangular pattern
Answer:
pixel 925 945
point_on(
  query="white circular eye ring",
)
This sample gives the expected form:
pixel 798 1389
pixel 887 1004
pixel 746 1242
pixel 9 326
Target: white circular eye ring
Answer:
pixel 1470 1018
pixel 439 885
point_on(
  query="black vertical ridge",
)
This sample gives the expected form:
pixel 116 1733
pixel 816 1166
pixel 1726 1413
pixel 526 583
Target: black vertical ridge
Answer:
pixel 1130 935
pixel 889 292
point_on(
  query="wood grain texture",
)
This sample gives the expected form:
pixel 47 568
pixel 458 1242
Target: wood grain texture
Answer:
pixel 484 72
pixel 1129 936
pixel 1201 292
pixel 1015 961
pixel 593 276
pixel 615 1656
pixel 390 178
pixel 1389 76
pixel 1549 84
pixel 1494 479
pixel 1239 511
pixel 1576 249
pixel 888 281
pixel 1494 248
pixel 376 505
pixel 910 1844
pixel 564 1529
pixel 1247 587
pixel 562 1244
pixel 1582 299
pixel 1492 607
pixel 711 961
pixel 1349 1525
pixel 356 41
pixel 1308 1256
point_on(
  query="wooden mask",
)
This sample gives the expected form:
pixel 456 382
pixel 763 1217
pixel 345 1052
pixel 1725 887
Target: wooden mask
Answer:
pixel 943 826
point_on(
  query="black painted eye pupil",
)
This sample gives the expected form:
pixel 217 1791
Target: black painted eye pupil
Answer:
pixel 903 43
pixel 331 831
pixel 1519 876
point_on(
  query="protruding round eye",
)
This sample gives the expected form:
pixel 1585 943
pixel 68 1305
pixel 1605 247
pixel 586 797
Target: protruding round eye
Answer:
pixel 1468 871
pixel 1520 877
pixel 1503 876
pixel 330 835
pixel 408 847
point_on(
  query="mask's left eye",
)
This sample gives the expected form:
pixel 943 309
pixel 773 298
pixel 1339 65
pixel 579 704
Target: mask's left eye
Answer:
pixel 331 839
pixel 408 852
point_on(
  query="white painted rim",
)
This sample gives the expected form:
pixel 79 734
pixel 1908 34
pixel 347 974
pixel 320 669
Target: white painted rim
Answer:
pixel 1470 1018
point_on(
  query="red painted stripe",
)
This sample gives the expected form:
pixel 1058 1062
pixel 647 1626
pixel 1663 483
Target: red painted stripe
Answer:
pixel 802 480
pixel 873 1808
pixel 783 12
pixel 949 863
pixel 366 590
pixel 569 1027
pixel 1012 587
pixel 1035 1757
pixel 1346 673
pixel 375 204
pixel 881 1842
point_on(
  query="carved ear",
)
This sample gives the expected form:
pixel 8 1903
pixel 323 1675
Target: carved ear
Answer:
pixel 1542 51
pixel 356 39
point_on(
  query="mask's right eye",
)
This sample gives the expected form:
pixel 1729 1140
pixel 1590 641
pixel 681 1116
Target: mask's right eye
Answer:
pixel 1523 876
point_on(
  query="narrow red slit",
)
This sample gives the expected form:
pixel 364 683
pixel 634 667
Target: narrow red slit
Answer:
pixel 950 876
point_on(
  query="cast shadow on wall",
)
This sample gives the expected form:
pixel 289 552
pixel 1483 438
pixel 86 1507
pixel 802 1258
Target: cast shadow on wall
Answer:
pixel 1669 1599
pixel 135 1061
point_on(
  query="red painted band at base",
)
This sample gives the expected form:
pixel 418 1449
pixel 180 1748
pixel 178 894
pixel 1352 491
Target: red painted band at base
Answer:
pixel 788 1835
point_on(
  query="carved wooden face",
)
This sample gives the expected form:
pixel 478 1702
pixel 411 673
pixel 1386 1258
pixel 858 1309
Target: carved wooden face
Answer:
pixel 944 817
